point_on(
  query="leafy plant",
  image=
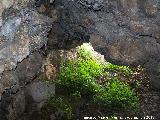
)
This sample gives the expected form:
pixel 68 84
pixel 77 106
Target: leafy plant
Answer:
pixel 79 80
pixel 79 75
pixel 117 95
pixel 116 68
pixel 61 105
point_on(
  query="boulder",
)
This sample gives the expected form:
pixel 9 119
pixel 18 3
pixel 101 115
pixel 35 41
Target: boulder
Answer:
pixel 37 94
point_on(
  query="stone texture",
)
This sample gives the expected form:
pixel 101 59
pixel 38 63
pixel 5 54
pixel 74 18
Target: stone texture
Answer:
pixel 36 94
pixel 125 31
pixel 9 80
pixel 29 68
pixel 17 4
pixel 5 4
pixel 23 32
pixel 39 91
pixel 13 84
pixel 12 105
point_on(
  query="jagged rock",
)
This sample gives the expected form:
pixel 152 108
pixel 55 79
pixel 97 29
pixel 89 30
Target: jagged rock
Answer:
pixel 92 4
pixel 5 4
pixel 128 34
pixel 17 4
pixel 68 30
pixel 9 80
pixel 22 31
pixel 13 84
pixel 124 31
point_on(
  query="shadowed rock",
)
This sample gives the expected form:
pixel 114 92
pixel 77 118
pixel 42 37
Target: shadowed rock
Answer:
pixel 125 31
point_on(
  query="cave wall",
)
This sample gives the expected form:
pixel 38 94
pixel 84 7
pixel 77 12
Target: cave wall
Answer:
pixel 23 32
pixel 126 32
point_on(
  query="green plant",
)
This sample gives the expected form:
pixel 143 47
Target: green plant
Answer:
pixel 60 104
pixel 76 95
pixel 79 75
pixel 79 79
pixel 116 68
pixel 85 51
pixel 117 95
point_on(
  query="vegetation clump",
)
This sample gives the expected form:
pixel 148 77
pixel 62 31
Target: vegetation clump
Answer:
pixel 89 81
pixel 116 95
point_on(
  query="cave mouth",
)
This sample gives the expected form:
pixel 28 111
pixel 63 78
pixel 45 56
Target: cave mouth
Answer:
pixel 88 85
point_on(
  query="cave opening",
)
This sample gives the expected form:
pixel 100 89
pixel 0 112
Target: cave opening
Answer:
pixel 88 85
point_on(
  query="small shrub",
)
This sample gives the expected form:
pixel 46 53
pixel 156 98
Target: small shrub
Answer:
pixel 85 51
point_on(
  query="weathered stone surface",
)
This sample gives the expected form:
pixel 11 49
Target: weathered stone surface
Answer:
pixel 13 85
pixel 92 4
pixel 39 91
pixel 125 31
pixel 17 106
pixel 5 4
pixel 68 30
pixel 36 94
pixel 9 80
pixel 17 4
pixel 21 33
pixel 29 68
pixel 12 105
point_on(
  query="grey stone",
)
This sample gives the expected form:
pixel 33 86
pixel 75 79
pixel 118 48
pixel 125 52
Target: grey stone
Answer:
pixel 37 94
pixel 29 68
pixel 40 91
pixel 93 4
pixel 22 33
pixel 8 81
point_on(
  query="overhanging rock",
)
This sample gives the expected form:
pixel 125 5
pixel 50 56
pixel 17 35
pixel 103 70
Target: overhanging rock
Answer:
pixel 126 32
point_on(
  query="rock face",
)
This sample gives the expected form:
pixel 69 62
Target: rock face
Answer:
pixel 129 34
pixel 23 32
pixel 125 31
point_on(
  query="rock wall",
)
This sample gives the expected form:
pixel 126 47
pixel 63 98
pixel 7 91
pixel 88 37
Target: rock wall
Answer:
pixel 23 32
pixel 125 31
